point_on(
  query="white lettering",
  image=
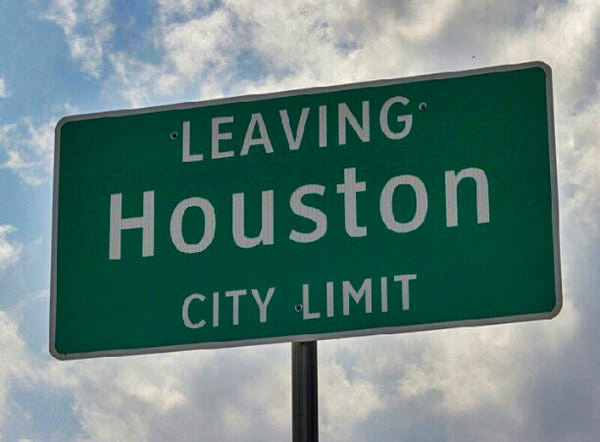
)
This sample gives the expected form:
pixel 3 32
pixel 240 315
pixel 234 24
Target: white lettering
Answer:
pixel 384 294
pixel 383 119
pixel 185 140
pixel 266 230
pixel 481 195
pixel 256 119
pixel 262 305
pixel 322 126
pixel 364 290
pixel 294 141
pixel 306 313
pixel 215 322
pixel 185 313
pixel 349 189
pixel 176 226
pixel 117 224
pixel 330 311
pixel 235 295
pixel 315 215
pixel 387 196
pixel 405 293
pixel 344 115
pixel 218 136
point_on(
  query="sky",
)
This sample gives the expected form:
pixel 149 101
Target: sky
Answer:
pixel 534 381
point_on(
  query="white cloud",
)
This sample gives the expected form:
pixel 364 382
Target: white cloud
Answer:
pixel 29 149
pixel 302 44
pixel 565 35
pixel 135 81
pixel 10 251
pixel 580 155
pixel 3 90
pixel 86 29
pixel 198 48
pixel 15 366
pixel 284 44
pixel 225 395
pixel 345 401
pixel 447 376
pixel 200 45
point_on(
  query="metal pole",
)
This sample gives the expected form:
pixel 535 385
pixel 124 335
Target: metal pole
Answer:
pixel 305 403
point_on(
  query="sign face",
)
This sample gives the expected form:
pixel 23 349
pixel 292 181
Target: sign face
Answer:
pixel 380 207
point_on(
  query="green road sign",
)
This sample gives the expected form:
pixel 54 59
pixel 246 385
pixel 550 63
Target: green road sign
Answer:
pixel 379 207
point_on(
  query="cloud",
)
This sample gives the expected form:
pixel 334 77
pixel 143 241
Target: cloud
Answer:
pixel 227 395
pixel 238 48
pixel 235 48
pixel 3 90
pixel 210 51
pixel 10 251
pixel 197 54
pixel 14 368
pixel 580 155
pixel 28 146
pixel 440 385
pixel 199 48
pixel 339 410
pixel 136 81
pixel 199 45
pixel 86 29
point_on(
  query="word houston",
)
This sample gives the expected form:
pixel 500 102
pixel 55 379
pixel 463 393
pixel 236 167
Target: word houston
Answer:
pixel 348 190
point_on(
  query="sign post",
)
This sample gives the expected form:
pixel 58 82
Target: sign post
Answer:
pixel 380 207
pixel 305 403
